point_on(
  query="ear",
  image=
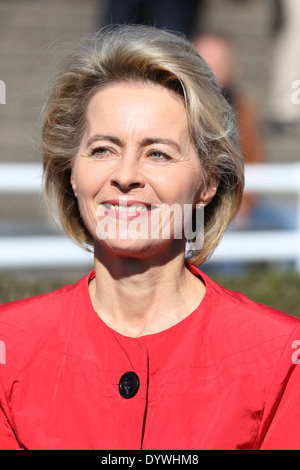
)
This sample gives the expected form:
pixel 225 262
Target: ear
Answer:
pixel 72 181
pixel 208 194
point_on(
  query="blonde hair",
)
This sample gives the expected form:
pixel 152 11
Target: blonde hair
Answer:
pixel 138 53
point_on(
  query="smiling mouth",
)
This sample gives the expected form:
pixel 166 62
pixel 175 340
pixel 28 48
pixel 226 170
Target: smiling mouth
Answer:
pixel 128 210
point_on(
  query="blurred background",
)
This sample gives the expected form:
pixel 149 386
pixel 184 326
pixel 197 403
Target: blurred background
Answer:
pixel 252 46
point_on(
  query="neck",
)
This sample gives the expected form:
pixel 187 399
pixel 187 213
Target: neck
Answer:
pixel 143 296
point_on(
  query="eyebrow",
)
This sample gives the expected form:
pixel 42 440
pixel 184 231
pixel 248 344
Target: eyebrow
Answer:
pixel 159 140
pixel 146 141
pixel 111 138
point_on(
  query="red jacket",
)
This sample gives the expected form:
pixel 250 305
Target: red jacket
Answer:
pixel 226 377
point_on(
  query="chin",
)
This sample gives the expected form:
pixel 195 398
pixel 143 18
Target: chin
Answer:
pixel 127 246
pixel 136 248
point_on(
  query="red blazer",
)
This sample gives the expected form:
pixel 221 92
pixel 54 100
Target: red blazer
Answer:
pixel 226 377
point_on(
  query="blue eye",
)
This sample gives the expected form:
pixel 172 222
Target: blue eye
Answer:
pixel 159 156
pixel 100 152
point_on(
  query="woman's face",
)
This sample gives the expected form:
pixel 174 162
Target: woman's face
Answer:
pixel 136 160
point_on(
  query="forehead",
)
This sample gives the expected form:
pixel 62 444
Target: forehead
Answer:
pixel 137 107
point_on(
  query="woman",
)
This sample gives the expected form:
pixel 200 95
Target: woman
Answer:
pixel 145 352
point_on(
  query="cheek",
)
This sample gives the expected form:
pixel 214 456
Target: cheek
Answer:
pixel 87 180
pixel 181 187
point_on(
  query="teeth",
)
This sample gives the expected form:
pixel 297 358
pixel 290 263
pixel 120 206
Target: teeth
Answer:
pixel 136 208
pixel 132 208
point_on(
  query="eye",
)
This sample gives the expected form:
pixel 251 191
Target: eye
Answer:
pixel 159 156
pixel 100 152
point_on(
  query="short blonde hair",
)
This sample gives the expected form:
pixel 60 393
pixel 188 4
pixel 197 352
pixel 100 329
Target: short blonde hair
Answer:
pixel 139 53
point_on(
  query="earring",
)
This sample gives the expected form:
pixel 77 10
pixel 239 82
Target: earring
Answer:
pixel 195 239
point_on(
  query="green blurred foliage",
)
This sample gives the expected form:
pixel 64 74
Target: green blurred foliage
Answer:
pixel 274 287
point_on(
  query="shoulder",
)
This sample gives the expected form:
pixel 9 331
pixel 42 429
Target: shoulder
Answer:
pixel 36 328
pixel 34 332
pixel 27 319
pixel 250 311
pixel 253 342
pixel 37 304
pixel 252 320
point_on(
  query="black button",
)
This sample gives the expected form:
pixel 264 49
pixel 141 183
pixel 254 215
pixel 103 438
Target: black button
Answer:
pixel 129 384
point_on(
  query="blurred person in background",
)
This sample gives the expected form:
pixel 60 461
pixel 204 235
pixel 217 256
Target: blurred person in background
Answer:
pixel 175 15
pixel 220 52
pixel 257 212
pixel 146 351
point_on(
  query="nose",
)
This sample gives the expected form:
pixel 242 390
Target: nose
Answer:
pixel 127 175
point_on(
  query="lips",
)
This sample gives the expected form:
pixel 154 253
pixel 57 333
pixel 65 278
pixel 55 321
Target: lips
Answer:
pixel 125 203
